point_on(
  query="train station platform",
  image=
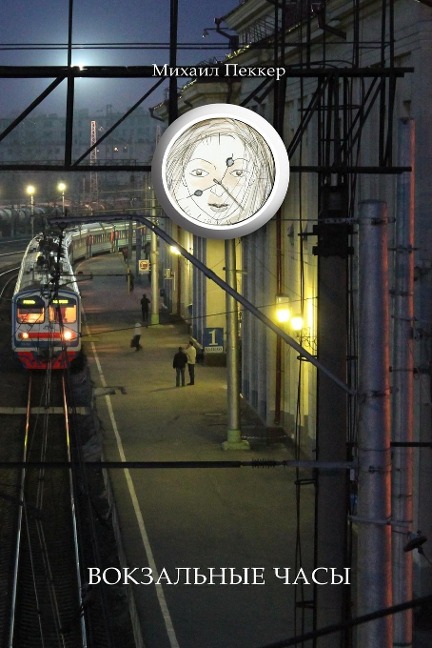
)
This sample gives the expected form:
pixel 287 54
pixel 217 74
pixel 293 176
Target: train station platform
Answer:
pixel 195 530
pixel 217 518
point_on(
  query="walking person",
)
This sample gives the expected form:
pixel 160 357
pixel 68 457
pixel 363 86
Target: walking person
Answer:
pixel 145 304
pixel 191 360
pixel 135 342
pixel 179 364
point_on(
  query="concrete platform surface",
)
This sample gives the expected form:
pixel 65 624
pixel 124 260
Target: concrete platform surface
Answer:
pixel 199 520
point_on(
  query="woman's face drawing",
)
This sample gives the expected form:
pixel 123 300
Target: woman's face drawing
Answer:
pixel 219 175
pixel 220 171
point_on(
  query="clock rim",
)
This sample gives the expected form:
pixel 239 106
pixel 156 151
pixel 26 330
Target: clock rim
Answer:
pixel 273 140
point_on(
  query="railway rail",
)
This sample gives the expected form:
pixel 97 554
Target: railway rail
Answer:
pixel 42 599
pixel 7 277
pixel 45 583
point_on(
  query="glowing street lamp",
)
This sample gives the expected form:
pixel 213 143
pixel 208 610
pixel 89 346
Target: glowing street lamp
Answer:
pixel 283 312
pixel 62 188
pixel 297 323
pixel 30 190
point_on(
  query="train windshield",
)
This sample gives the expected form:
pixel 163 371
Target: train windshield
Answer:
pixel 63 310
pixel 30 310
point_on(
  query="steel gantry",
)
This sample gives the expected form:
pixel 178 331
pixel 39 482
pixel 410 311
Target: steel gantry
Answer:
pixel 343 95
pixel 341 121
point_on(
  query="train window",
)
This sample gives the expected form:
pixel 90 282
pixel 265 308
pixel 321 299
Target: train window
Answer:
pixel 63 310
pixel 30 310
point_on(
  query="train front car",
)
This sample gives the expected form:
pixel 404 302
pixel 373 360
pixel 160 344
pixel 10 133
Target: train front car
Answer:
pixel 46 307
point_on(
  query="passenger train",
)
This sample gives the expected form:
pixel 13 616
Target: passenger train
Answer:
pixel 46 305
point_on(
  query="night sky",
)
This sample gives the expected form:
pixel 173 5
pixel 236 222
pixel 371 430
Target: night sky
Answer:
pixel 36 32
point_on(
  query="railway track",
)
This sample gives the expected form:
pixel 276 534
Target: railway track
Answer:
pixel 46 533
pixel 40 582
pixel 45 590
pixel 6 278
pixel 44 551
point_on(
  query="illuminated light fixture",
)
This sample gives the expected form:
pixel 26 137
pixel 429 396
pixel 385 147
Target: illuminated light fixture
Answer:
pixel 24 335
pixel 174 250
pixel 67 335
pixel 30 191
pixel 283 312
pixel 297 323
pixel 62 188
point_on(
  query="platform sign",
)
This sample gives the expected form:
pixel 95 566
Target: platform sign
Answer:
pixel 143 265
pixel 213 340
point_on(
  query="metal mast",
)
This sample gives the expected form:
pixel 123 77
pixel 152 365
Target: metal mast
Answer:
pixel 94 187
pixel 374 580
pixel 403 388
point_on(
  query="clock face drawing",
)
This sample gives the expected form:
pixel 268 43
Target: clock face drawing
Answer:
pixel 220 171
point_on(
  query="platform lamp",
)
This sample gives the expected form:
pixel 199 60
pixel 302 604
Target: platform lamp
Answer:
pixel 177 277
pixel 283 311
pixel 297 324
pixel 30 191
pixel 62 188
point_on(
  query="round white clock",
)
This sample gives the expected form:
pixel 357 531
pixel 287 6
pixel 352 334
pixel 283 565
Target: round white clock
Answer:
pixel 220 171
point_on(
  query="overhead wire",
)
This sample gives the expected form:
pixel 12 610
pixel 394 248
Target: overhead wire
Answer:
pixel 79 475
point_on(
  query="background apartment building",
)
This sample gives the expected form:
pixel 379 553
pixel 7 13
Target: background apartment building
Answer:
pixel 39 140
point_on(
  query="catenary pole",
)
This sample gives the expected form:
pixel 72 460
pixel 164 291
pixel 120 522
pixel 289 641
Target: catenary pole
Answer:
pixel 234 440
pixel 374 506
pixel 154 265
pixel 403 386
pixel 331 603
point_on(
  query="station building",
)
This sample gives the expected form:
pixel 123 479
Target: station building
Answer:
pixel 277 266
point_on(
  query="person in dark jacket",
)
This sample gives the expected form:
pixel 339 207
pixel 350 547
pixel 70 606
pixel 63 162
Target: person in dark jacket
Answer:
pixel 145 303
pixel 179 364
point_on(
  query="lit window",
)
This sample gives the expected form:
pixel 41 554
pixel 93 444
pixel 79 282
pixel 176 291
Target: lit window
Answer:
pixel 66 315
pixel 30 310
pixel 63 310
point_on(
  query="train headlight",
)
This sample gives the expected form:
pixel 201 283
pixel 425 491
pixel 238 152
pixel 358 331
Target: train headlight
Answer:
pixel 67 335
pixel 23 335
